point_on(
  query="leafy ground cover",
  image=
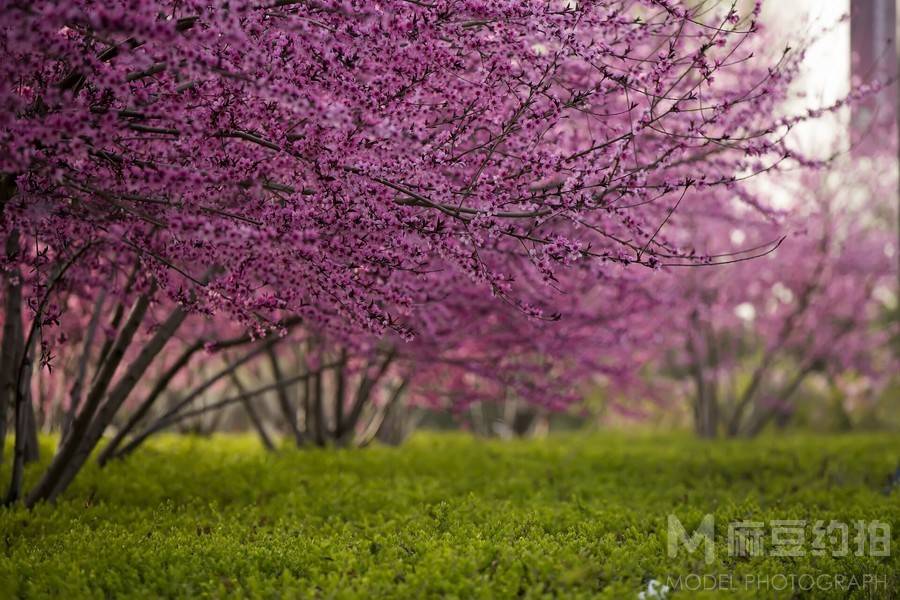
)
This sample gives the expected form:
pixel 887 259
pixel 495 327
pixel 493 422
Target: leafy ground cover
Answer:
pixel 447 515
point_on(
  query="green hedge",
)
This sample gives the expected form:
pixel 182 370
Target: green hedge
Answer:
pixel 446 515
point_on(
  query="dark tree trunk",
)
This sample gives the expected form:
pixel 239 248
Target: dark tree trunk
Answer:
pixel 114 401
pixel 396 424
pixel 361 399
pixel 340 385
pixel 32 448
pixel 20 449
pixel 706 403
pixel 11 346
pixel 255 419
pixel 284 401
pixel 118 313
pixel 109 451
pixel 172 414
pixel 873 50
pixel 25 421
pixel 318 408
pixel 177 415
pixel 763 418
pixel 77 386
pixel 47 486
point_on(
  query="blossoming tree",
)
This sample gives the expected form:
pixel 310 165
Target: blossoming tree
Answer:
pixel 749 335
pixel 377 172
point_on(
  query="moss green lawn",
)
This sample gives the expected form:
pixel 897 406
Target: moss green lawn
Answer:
pixel 447 515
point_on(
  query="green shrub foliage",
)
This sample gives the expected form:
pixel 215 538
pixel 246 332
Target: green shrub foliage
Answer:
pixel 445 515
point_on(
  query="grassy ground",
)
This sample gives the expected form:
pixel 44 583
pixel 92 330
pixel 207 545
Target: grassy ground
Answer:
pixel 446 515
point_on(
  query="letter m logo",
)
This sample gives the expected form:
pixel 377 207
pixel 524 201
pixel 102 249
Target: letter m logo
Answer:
pixel 703 535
